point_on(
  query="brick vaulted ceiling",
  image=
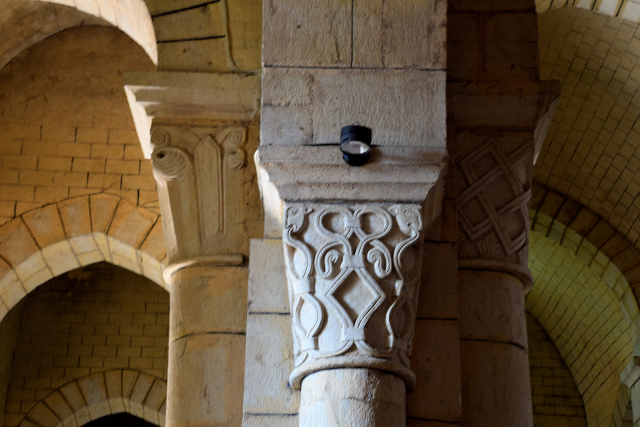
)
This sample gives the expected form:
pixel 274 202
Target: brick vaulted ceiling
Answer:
pixel 592 150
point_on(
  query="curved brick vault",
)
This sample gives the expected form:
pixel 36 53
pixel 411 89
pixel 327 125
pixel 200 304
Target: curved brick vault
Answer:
pixel 625 9
pixel 56 238
pixel 591 150
pixel 97 395
pixel 585 275
pixel 27 22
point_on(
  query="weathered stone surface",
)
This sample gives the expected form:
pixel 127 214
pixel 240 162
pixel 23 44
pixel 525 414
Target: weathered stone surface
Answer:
pixel 492 307
pixel 319 173
pixel 364 397
pixel 267 280
pixel 507 402
pixel 270 420
pixel 208 300
pixel 269 361
pixel 315 36
pixel 213 365
pixel 400 34
pixel 404 108
pixel 436 362
pixel 438 298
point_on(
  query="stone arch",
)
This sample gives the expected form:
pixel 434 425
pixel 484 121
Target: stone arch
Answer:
pixel 131 17
pixel 585 300
pixel 53 239
pixel 97 395
pixel 577 227
pixel 625 9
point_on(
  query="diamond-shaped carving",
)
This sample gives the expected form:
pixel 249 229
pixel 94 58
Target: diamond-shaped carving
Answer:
pixel 354 297
pixel 506 216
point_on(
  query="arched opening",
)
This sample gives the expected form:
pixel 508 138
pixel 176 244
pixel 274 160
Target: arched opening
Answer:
pixel 88 343
pixel 119 420
pixel 27 22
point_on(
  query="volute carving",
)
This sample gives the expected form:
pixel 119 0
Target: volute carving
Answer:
pixel 196 169
pixel 353 274
pixel 495 188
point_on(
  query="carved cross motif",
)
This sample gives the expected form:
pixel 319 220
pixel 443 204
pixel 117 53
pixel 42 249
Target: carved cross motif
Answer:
pixel 354 273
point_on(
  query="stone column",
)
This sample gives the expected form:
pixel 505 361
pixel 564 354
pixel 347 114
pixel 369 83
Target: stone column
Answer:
pixel 353 270
pixel 353 252
pixel 494 180
pixel 353 274
pixel 499 116
pixel 194 129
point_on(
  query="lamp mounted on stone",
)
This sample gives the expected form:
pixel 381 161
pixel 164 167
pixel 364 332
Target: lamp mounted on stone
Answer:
pixel 355 144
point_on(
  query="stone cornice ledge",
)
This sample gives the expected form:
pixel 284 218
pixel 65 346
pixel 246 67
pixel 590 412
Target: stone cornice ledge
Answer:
pixel 398 174
pixel 189 97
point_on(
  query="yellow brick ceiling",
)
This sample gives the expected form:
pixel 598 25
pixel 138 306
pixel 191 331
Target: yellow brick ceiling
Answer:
pixel 591 316
pixel 592 150
pixel 626 9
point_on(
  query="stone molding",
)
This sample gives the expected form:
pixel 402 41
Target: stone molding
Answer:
pixel 199 174
pixel 354 273
pixel 318 173
pixel 493 209
pixel 190 97
pixel 215 260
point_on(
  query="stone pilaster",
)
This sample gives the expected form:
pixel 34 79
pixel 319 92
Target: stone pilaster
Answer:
pixel 194 128
pixel 498 118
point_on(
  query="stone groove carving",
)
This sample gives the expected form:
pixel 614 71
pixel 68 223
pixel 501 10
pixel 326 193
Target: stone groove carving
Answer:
pixel 195 169
pixel 493 209
pixel 354 274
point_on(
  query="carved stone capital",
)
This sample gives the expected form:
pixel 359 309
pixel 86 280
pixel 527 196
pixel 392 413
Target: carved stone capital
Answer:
pixel 354 273
pixel 199 175
pixel 189 97
pixel 494 182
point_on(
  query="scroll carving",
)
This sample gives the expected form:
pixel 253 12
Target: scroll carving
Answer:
pixel 354 274
pixel 195 170
pixel 493 209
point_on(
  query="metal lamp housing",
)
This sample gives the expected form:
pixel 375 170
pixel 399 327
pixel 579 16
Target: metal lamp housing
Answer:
pixel 355 144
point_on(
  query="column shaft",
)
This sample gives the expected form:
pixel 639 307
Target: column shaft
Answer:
pixel 495 367
pixel 354 398
pixel 206 347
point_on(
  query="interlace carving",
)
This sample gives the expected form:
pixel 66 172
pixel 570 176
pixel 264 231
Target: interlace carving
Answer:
pixel 354 274
pixel 493 207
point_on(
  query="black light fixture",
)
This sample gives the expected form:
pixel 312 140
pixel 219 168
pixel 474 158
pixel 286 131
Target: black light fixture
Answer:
pixel 355 144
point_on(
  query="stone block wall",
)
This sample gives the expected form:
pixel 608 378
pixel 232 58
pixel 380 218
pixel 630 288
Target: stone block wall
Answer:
pixel 555 397
pixel 66 128
pixel 208 37
pixel 99 318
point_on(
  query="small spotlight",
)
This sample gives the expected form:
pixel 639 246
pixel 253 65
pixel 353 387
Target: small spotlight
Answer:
pixel 355 144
